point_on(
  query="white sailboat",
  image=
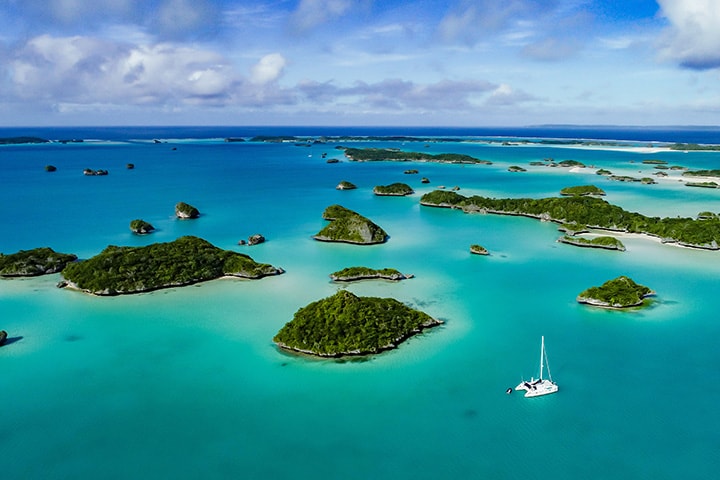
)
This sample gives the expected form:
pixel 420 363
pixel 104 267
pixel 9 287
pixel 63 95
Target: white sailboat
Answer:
pixel 541 386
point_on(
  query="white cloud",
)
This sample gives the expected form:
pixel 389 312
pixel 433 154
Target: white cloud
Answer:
pixel 693 39
pixel 268 69
pixel 89 70
pixel 505 95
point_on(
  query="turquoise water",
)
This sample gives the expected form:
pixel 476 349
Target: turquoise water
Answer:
pixel 186 383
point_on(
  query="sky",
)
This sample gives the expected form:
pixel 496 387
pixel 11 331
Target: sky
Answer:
pixel 359 62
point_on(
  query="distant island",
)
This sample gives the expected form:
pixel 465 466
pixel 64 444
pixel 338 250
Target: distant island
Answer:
pixel 701 173
pixel 582 190
pixel 590 211
pixel 621 292
pixel 604 242
pixel 391 154
pixel 694 147
pixel 345 324
pixel 352 274
pixel 516 169
pixel 393 190
pixel 31 263
pixel 347 226
pixel 21 140
pixel 185 261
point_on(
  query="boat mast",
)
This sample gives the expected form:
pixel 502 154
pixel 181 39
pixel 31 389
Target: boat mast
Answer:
pixel 542 355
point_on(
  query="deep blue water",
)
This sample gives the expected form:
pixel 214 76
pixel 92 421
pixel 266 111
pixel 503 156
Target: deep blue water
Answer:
pixel 702 135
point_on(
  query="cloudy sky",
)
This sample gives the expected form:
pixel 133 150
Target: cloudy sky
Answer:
pixel 359 62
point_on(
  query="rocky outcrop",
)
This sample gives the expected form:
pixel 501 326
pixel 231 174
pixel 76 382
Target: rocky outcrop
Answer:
pixel 345 185
pixel 478 250
pixel 3 337
pixel 185 211
pixel 141 227
pixel 255 239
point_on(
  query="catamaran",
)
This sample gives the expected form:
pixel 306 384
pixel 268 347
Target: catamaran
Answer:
pixel 541 386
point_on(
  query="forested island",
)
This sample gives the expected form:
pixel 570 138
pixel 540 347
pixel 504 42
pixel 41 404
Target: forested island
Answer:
pixel 604 242
pixel 21 140
pixel 621 292
pixel 702 173
pixel 352 274
pixel 391 154
pixel 31 263
pixel 347 226
pixel 590 211
pixel 393 190
pixel 345 324
pixel 185 261
pixel 582 190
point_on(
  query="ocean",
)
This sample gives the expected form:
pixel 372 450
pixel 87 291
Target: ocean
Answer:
pixel 186 382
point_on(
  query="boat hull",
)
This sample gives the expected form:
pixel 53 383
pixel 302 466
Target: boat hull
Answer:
pixel 537 388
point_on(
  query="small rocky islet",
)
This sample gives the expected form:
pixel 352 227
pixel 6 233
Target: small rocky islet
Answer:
pixel 621 292
pixel 347 226
pixel 185 211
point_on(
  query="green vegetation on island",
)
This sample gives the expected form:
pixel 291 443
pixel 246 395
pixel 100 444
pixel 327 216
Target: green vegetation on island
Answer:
pixel 582 190
pixel 347 226
pixel 702 184
pixel 516 169
pixel 694 146
pixel 364 273
pixel 187 260
pixel 591 211
pixel 391 154
pixel 702 173
pixel 21 140
pixel 345 185
pixel 31 263
pixel 603 171
pixel 621 292
pixel 570 163
pixel 141 227
pixel 50 168
pixel 393 190
pixel 345 324
pixel 573 228
pixel 654 162
pixel 478 249
pixel 605 242
pixel 184 211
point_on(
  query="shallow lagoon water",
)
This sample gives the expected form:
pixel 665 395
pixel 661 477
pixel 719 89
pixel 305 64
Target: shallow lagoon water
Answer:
pixel 187 383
